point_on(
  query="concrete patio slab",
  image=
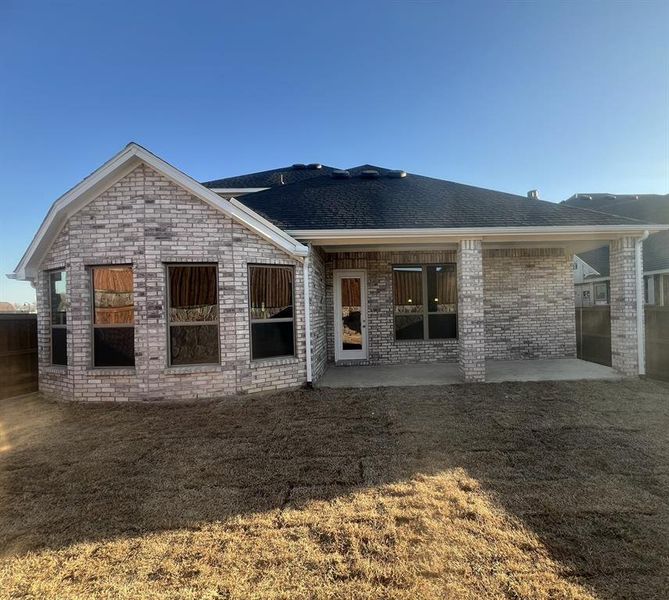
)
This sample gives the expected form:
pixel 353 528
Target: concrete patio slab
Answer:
pixel 563 369
pixel 497 371
pixel 391 375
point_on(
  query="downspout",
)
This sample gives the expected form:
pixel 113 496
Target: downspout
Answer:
pixel 307 316
pixel 640 329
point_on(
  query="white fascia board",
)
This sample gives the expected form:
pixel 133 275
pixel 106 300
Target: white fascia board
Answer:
pixel 586 264
pixel 486 234
pixel 657 272
pixel 115 169
pixel 237 190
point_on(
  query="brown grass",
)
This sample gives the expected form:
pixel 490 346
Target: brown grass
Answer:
pixel 491 491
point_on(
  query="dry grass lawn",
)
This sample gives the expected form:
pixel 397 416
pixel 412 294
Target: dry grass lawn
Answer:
pixel 546 490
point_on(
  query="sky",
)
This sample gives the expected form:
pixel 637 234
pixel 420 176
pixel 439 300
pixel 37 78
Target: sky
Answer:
pixel 564 97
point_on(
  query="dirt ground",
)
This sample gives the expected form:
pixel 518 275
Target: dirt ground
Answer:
pixel 528 490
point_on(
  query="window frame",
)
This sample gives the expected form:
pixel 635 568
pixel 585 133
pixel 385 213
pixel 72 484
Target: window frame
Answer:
pixel 169 324
pixel 94 326
pixel 51 324
pixel 291 268
pixel 425 300
pixel 598 285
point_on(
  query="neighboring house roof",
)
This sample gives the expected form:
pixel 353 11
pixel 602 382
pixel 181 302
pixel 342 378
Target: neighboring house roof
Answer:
pixel 651 208
pixel 117 167
pixel 598 259
pixel 273 177
pixel 7 307
pixel 413 201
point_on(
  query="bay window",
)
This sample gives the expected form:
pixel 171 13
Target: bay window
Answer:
pixel 193 321
pixel 58 316
pixel 113 316
pixel 271 311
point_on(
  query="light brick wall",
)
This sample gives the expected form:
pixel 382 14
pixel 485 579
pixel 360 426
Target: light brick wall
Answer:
pixel 528 299
pixel 529 304
pixel 471 330
pixel 147 221
pixel 317 300
pixel 383 347
pixel 624 340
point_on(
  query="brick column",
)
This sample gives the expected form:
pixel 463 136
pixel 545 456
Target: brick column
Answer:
pixel 471 334
pixel 624 338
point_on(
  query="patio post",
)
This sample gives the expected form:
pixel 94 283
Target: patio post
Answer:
pixel 626 326
pixel 471 334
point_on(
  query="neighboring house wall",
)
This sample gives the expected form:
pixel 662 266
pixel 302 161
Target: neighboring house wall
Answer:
pixel 529 304
pixel 147 221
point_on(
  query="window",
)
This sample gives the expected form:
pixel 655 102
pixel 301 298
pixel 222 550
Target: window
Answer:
pixel 58 307
pixel 193 315
pixel 113 317
pixel 271 311
pixel 425 299
pixel 602 293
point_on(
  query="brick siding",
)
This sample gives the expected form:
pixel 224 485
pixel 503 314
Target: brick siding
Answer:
pixel 148 221
pixel 317 300
pixel 529 304
pixel 624 340
pixel 471 319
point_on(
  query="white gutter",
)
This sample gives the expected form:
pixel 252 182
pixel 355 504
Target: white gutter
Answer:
pixel 468 232
pixel 307 317
pixel 640 329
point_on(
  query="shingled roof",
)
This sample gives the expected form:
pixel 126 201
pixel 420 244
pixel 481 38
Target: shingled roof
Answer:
pixel 273 177
pixel 391 201
pixel 650 208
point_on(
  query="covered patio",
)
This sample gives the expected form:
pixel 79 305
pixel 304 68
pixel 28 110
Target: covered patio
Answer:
pixel 497 371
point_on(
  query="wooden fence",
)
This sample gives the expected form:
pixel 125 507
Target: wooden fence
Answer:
pixel 657 341
pixel 593 334
pixel 593 337
pixel 18 354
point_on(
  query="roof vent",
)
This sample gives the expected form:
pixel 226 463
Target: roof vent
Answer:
pixel 370 174
pixel 339 174
pixel 314 166
pixel 397 174
pixel 299 166
pixel 533 194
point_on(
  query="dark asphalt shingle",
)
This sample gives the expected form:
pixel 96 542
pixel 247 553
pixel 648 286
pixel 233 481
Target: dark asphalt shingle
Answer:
pixel 414 201
pixel 649 208
pixel 270 178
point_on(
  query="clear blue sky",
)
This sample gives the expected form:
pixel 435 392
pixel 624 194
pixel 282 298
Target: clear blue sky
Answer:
pixel 565 97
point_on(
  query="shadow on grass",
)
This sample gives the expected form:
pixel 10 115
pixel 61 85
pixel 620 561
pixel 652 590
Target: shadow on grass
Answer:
pixel 582 465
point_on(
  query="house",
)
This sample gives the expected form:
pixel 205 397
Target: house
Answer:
pixel 153 286
pixel 591 268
